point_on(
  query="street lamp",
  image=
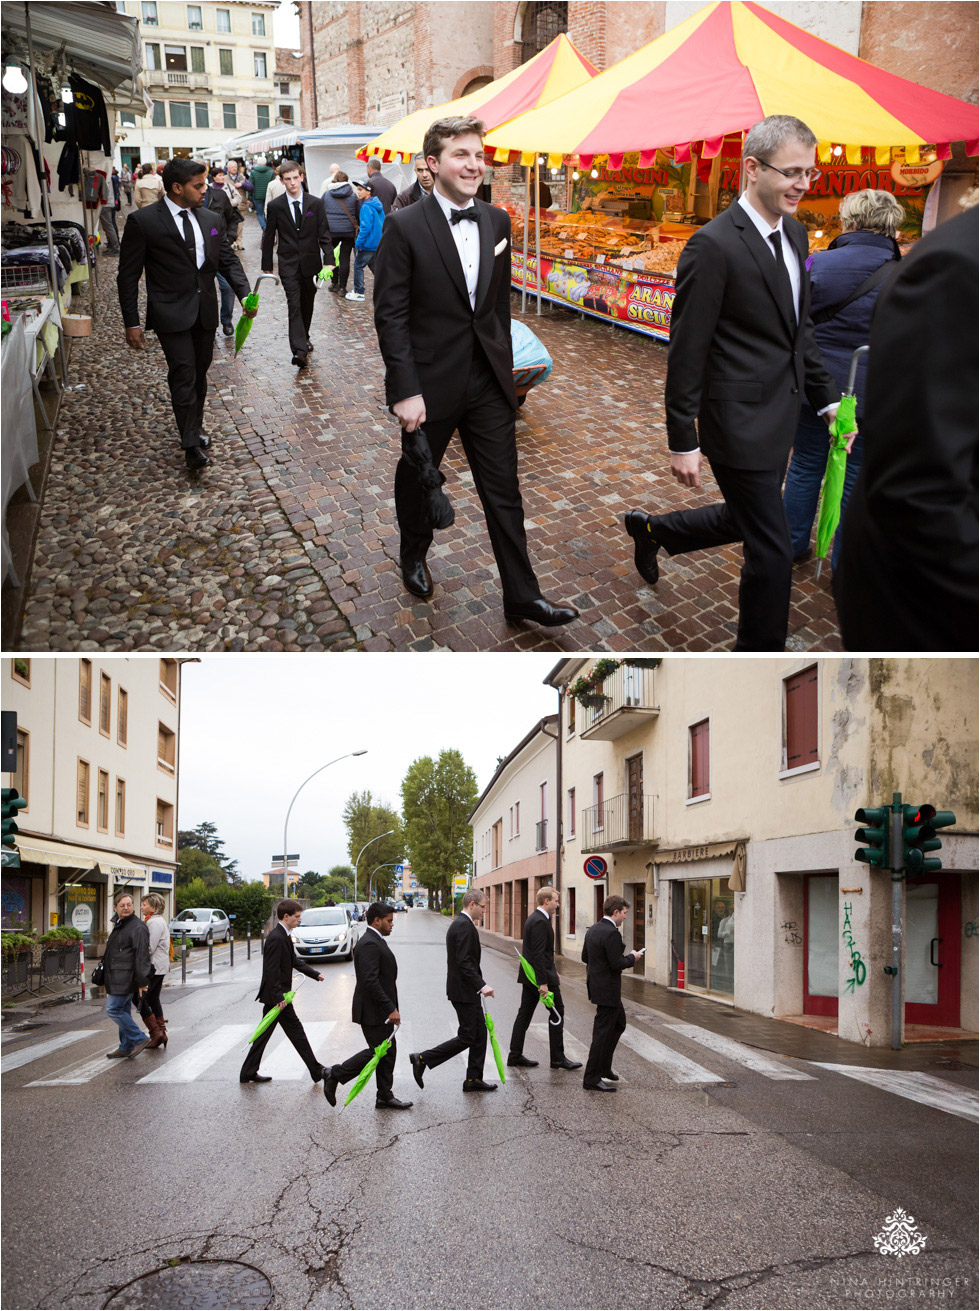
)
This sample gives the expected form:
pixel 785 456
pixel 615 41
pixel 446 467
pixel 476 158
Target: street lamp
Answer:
pixel 285 827
pixel 390 864
pixel 361 853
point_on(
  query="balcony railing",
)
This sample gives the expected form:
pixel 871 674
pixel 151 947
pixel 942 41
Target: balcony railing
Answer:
pixel 541 835
pixel 625 703
pixel 618 824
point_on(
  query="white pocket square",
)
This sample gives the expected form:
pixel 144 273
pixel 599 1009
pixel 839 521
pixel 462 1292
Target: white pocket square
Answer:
pixel 500 246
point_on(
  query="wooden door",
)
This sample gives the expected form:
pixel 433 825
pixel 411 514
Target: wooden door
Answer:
pixel 634 787
pixel 639 923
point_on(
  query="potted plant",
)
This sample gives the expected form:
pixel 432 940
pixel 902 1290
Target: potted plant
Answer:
pixel 17 949
pixel 587 690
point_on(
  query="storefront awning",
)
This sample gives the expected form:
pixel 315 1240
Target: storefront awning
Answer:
pixel 253 143
pixel 98 865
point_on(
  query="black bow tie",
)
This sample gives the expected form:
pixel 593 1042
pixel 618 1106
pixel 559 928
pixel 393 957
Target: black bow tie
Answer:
pixel 457 215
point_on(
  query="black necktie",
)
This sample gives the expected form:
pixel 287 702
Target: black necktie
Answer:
pixel 457 215
pixel 185 218
pixel 783 284
pixel 299 216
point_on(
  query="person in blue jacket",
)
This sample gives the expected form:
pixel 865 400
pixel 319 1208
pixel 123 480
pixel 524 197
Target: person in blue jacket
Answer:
pixel 856 261
pixel 370 216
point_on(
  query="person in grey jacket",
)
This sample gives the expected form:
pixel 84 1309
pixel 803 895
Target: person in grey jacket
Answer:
pixel 152 907
pixel 127 972
pixel 341 205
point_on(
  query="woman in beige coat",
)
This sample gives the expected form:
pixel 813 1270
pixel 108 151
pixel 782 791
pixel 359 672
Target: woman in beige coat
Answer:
pixel 152 907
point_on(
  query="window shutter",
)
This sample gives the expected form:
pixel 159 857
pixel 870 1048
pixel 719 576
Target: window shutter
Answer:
pixel 801 718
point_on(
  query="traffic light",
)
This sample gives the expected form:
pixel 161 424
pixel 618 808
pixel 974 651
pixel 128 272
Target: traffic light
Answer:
pixel 12 802
pixel 875 834
pixel 919 825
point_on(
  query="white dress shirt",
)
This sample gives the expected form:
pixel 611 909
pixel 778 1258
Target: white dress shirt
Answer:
pixel 466 235
pixel 176 211
pixel 374 930
pixel 765 230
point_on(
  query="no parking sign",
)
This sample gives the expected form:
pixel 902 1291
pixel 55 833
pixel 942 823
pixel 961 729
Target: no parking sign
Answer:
pixel 595 867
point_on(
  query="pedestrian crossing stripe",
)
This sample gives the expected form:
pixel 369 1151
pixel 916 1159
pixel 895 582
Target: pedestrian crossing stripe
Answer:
pixel 677 1067
pixel 27 1054
pixel 736 1051
pixel 927 1089
pixel 574 1050
pixel 84 1071
pixel 189 1064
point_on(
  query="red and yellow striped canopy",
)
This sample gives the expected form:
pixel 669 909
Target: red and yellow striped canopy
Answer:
pixel 719 72
pixel 552 73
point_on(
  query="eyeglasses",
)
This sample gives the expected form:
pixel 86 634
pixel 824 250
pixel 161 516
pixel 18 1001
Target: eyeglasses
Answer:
pixel 794 174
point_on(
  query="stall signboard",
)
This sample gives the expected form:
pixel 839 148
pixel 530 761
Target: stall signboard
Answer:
pixel 79 908
pixel 16 898
pixel 162 877
pixel 636 300
pixel 652 194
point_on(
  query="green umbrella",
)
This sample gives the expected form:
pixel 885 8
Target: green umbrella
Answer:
pixel 251 302
pixel 548 1000
pixel 828 515
pixel 497 1054
pixel 270 1017
pixel 380 1051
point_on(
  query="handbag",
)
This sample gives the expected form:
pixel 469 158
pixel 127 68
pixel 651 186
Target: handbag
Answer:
pixel 98 975
pixel 355 223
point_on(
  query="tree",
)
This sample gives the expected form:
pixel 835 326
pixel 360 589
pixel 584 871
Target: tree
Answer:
pixel 196 866
pixel 437 798
pixel 366 819
pixel 250 903
pixel 205 838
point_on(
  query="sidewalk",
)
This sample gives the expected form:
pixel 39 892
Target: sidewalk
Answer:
pixel 770 1035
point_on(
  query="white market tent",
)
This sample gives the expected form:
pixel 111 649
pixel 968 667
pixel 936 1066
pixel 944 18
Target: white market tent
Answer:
pixel 339 144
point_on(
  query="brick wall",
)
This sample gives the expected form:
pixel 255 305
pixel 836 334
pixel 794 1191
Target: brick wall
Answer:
pixel 928 42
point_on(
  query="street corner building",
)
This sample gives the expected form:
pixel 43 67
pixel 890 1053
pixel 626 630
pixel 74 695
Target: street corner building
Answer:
pixel 719 798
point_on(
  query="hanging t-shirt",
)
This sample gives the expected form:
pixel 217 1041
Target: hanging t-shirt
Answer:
pixel 88 122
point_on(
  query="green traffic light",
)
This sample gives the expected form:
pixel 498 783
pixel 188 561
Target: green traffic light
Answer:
pixel 12 802
pixel 874 833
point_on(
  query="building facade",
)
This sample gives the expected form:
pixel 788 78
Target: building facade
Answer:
pixel 515 830
pixel 720 802
pixel 288 86
pixel 210 69
pixel 97 762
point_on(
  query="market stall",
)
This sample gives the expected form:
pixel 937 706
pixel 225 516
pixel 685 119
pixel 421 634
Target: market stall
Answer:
pixel 340 144
pixel 651 148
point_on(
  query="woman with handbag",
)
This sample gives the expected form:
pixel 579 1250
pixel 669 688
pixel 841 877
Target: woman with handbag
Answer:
pixel 150 1008
pixel 125 974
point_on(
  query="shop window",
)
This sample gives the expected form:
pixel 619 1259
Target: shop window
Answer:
pixel 286 114
pixel 258 26
pixel 230 116
pixel 180 113
pixel 105 704
pixel 102 803
pixel 195 20
pixel 16 902
pixel 120 807
pixel 20 778
pixel 165 824
pixel 152 56
pixel 85 691
pixel 261 117
pixel 197 59
pixel 166 748
pixel 226 65
pixel 82 793
pixel 700 775
pixel 541 24
pixel 122 716
pixel 159 115
pixel 571 812
pixel 201 114
pixel 222 20
pixel 800 717
pixel 20 671
pixel 168 678
pixel 571 911
pixel 259 64
pixel 176 57
pixel 150 14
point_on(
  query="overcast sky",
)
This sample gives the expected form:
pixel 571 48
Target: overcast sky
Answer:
pixel 254 727
pixel 285 25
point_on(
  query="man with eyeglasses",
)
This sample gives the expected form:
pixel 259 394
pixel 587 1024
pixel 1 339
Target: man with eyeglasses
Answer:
pixel 742 355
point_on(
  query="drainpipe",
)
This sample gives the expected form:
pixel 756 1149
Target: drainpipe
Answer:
pixel 558 812
pixel 309 24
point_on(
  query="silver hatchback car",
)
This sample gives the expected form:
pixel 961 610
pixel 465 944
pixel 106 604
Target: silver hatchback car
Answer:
pixel 324 933
pixel 201 924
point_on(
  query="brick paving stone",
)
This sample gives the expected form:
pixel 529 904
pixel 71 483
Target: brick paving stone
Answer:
pixel 292 529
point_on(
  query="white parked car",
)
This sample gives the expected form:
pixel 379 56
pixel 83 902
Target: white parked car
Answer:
pixel 201 924
pixel 325 932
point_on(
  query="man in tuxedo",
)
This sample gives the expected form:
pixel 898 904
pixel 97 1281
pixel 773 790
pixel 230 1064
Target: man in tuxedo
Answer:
pixel 907 579
pixel 538 949
pixel 374 1008
pixel 278 962
pixel 741 355
pixel 180 249
pixel 465 986
pixel 442 312
pixel 299 222
pixel 605 959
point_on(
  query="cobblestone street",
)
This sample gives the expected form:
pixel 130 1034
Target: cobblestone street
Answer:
pixel 288 541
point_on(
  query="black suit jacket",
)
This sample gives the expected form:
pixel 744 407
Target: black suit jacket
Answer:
pixel 538 949
pixel 737 365
pixel 606 958
pixel 303 251
pixel 907 578
pixel 216 198
pixel 422 311
pixel 375 992
pixel 463 977
pixel 176 290
pixel 278 962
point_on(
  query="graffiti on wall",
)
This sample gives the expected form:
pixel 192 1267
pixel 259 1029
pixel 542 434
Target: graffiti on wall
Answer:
pixel 858 967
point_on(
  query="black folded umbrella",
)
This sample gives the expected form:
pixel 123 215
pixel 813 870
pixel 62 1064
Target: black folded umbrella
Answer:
pixel 438 508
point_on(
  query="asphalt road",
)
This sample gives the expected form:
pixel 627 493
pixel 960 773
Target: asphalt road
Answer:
pixel 750 1191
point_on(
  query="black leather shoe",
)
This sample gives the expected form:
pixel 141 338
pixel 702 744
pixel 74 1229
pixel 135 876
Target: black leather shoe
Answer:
pixel 323 1073
pixel 598 1087
pixel 300 361
pixel 330 1088
pixel 514 1059
pixel 227 329
pixel 609 1074
pixel 255 1078
pixel 416 577
pixel 418 1066
pixel 478 1085
pixel 645 546
pixel 391 1104
pixel 195 458
pixel 541 612
pixel 566 1064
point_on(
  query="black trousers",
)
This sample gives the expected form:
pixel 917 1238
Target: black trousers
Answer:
pixel 342 272
pixel 486 428
pixel 292 1027
pixel 300 296
pixel 607 1028
pixel 189 357
pixel 472 1034
pixel 374 1035
pixel 752 513
pixel 152 998
pixel 530 1000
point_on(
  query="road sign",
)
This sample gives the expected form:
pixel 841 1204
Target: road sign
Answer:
pixel 460 881
pixel 293 856
pixel 596 867
pixel 399 869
